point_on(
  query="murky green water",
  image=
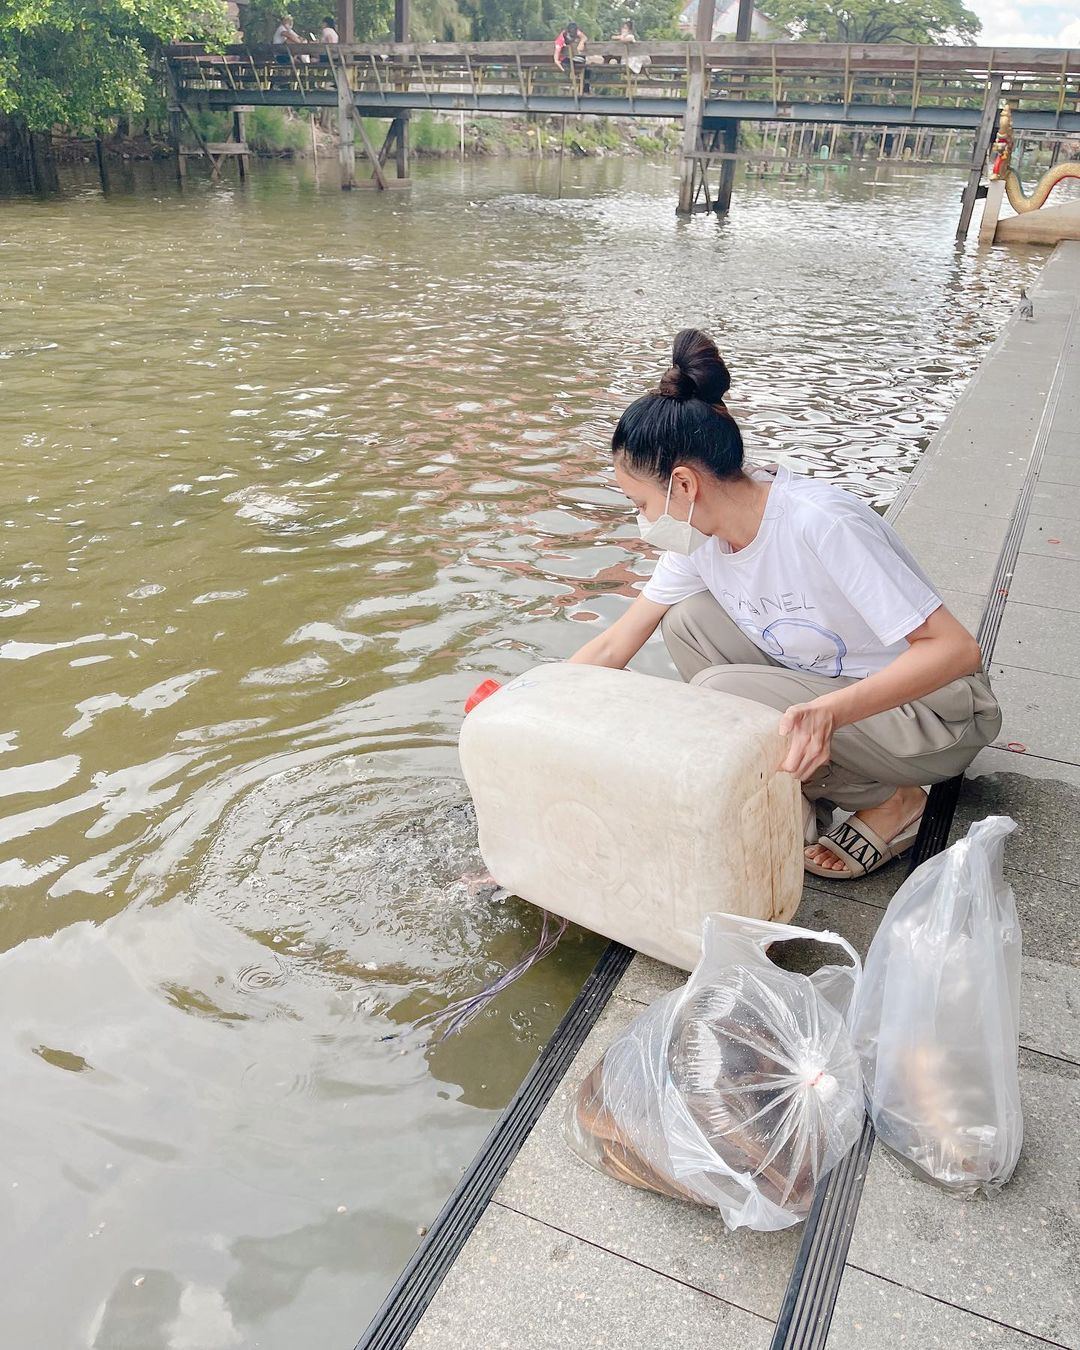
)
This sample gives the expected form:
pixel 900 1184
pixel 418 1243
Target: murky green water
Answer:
pixel 285 473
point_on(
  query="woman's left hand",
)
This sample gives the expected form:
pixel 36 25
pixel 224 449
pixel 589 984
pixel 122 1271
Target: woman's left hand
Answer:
pixel 811 727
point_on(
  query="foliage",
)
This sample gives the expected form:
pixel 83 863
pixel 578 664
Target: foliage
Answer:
pixel 439 21
pixel 653 20
pixel 79 63
pixel 535 20
pixel 431 137
pixel 598 135
pixel 63 62
pixel 274 129
pixel 876 20
pixel 265 129
pixel 374 18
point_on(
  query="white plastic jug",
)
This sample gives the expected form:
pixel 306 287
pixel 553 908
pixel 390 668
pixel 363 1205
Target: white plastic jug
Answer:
pixel 633 805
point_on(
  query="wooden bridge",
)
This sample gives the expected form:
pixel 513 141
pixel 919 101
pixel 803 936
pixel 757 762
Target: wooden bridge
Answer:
pixel 712 87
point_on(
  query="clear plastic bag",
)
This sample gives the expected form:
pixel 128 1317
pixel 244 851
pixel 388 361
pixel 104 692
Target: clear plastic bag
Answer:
pixel 936 1024
pixel 738 1091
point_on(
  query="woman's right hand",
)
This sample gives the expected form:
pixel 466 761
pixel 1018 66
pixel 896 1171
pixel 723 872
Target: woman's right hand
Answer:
pixel 619 644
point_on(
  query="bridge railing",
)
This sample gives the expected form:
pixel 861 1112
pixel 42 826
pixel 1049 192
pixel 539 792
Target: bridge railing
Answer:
pixel 469 71
pixel 776 74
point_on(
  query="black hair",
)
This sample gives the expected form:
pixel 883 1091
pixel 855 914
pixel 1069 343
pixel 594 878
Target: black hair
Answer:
pixel 571 30
pixel 683 420
pixel 328 22
pixel 628 23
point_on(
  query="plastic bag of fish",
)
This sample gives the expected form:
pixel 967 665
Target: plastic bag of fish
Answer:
pixel 937 1022
pixel 738 1091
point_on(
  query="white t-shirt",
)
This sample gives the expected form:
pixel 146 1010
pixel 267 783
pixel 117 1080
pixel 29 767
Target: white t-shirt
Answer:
pixel 279 39
pixel 825 586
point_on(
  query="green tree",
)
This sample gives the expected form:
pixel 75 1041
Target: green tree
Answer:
pixel 876 20
pixel 439 21
pixel 653 20
pixel 521 20
pixel 74 64
pixel 535 20
pixel 374 18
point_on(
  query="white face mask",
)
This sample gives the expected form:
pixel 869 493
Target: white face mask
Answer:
pixel 669 534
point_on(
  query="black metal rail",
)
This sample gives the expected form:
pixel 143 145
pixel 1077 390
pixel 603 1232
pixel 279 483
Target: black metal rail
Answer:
pixel 403 1307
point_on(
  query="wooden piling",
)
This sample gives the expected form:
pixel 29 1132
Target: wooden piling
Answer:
pixel 240 137
pixel 346 123
pixel 730 130
pixel 983 137
pixel 400 129
pixel 103 168
pixel 695 107
pixel 175 124
pixel 402 23
pixel 729 140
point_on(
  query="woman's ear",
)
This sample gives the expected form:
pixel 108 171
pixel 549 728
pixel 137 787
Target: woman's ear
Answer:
pixel 685 482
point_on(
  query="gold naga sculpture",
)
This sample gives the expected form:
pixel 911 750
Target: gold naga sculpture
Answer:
pixel 1001 168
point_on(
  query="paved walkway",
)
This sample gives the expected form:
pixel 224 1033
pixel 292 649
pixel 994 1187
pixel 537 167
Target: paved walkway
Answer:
pixel 565 1257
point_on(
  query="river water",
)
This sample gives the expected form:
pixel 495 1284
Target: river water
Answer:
pixel 286 472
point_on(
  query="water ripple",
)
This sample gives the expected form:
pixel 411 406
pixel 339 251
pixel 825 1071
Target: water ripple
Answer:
pixel 287 472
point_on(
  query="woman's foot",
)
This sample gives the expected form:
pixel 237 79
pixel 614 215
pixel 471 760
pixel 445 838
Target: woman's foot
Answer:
pixel 888 820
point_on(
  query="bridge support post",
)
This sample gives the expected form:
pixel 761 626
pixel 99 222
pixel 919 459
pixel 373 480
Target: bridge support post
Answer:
pixel 239 118
pixel 399 130
pixel 696 77
pixel 175 132
pixel 983 138
pixel 691 146
pixel 729 140
pixel 695 166
pixel 400 126
pixel 346 127
pixel 175 124
pixel 991 211
pixel 730 128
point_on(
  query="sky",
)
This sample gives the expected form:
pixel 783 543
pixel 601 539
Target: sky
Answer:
pixel 1027 23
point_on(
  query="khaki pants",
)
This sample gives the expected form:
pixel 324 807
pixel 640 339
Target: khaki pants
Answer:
pixel 919 743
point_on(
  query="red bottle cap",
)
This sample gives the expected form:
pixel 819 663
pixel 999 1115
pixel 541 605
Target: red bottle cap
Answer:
pixel 481 692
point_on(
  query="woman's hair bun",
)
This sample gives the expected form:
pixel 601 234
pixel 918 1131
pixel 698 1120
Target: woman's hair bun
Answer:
pixel 697 369
pixel 675 383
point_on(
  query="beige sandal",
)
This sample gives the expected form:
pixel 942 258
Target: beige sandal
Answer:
pixel 861 849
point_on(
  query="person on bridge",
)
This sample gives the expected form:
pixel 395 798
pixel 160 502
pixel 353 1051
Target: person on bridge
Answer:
pixel 284 34
pixel 787 590
pixel 570 47
pixel 628 37
pixel 329 32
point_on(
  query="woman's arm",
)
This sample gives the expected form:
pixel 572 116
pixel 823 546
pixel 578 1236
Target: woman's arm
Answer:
pixel 939 651
pixel 624 639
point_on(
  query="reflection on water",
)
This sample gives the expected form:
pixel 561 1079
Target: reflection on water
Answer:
pixel 287 471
